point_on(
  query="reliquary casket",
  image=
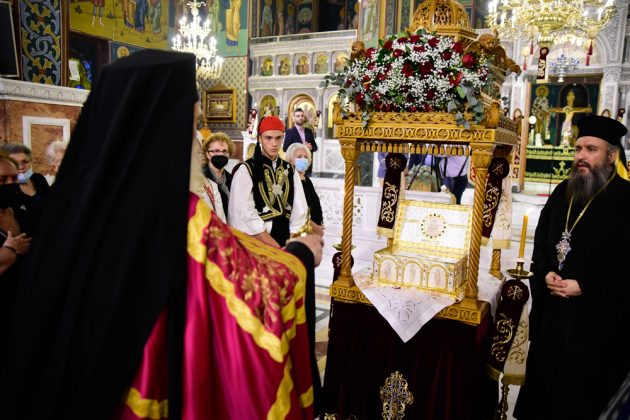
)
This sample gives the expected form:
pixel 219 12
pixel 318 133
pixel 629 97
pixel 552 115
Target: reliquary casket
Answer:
pixel 429 251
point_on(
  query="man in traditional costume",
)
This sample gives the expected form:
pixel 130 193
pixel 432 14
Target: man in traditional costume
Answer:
pixel 578 355
pixel 266 198
pixel 138 302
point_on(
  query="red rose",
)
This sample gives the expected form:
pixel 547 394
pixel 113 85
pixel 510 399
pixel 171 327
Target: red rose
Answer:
pixel 457 47
pixel 414 38
pixel 456 79
pixel 431 94
pixel 403 40
pixel 359 98
pixel 388 107
pixel 369 52
pixel 413 108
pixel 376 96
pixel 365 78
pixel 446 55
pixel 426 67
pixel 407 70
pixel 371 66
pixel 469 60
pixel 419 48
pixel 388 45
pixel 381 76
pixel 433 42
pixel 398 53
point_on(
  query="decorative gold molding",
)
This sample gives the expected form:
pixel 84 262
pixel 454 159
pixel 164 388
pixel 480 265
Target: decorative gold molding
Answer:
pixel 468 315
pixel 349 294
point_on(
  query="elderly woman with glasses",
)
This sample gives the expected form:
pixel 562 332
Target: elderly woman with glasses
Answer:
pixel 217 149
pixel 300 156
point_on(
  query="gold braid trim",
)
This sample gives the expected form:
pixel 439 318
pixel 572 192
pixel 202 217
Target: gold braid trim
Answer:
pixel 146 408
pixel 307 398
pixel 281 407
pixel 196 228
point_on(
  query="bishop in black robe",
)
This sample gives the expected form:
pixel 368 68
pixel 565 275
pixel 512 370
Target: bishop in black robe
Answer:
pixel 579 354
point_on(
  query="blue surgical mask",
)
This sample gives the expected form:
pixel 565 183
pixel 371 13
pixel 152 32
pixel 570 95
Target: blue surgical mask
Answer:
pixel 24 177
pixel 301 164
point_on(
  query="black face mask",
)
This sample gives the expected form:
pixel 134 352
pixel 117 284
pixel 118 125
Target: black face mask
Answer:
pixel 219 161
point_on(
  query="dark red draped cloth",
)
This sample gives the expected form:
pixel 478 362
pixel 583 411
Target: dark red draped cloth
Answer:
pixel 443 365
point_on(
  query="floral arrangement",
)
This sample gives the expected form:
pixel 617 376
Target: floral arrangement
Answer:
pixel 415 72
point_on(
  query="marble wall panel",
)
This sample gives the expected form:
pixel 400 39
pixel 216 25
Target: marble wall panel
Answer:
pixel 44 123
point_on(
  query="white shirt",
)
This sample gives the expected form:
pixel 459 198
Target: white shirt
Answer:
pixel 242 213
pixel 212 197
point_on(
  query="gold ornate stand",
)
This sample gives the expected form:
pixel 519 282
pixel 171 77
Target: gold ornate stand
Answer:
pixel 435 133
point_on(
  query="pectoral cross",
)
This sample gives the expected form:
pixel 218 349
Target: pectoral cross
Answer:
pixel 569 110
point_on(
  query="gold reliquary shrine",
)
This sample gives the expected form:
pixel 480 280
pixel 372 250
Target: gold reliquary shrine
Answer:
pixel 429 251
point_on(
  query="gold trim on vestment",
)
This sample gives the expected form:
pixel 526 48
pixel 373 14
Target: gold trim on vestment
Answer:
pixel 282 406
pixel 197 225
pixel 146 408
pixel 307 398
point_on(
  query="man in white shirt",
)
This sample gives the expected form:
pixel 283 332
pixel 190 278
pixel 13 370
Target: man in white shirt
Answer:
pixel 266 199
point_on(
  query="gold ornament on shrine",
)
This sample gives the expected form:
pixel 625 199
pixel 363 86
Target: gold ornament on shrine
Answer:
pixel 396 396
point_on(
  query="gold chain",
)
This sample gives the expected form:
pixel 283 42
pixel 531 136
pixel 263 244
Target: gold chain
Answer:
pixel 566 225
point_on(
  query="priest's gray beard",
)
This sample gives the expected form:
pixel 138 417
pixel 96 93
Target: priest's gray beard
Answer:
pixel 582 187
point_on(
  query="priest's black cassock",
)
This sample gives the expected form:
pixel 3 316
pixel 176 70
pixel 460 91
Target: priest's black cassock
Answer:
pixel 579 353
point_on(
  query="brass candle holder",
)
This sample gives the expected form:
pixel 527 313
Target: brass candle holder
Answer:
pixel 519 273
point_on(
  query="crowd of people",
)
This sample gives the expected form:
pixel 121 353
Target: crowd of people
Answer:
pixel 135 286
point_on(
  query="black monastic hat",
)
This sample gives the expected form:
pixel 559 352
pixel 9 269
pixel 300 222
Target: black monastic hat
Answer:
pixel 604 128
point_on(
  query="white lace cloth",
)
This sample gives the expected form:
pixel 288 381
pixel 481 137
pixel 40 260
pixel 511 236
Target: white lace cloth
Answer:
pixel 408 310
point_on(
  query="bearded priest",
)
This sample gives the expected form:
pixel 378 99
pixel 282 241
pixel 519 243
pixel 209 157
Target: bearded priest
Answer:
pixel 578 355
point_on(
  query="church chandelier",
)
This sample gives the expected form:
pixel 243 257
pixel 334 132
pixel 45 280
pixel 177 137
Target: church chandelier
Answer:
pixel 551 22
pixel 196 37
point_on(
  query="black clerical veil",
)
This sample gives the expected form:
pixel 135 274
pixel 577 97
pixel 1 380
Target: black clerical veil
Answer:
pixel 111 249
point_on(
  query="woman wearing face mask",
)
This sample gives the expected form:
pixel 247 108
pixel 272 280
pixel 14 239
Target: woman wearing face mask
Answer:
pixel 300 156
pixel 217 149
pixel 33 185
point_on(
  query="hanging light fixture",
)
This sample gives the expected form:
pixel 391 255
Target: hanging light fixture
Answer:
pixel 549 22
pixel 562 65
pixel 196 37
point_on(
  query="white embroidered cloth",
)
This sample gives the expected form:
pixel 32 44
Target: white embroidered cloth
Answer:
pixel 408 310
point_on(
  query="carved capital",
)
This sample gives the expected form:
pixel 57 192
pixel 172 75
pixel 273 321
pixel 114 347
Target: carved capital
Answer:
pixel 481 156
pixel 348 149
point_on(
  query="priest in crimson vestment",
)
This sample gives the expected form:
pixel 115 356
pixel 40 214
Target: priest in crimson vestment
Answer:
pixel 138 302
pixel 579 350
